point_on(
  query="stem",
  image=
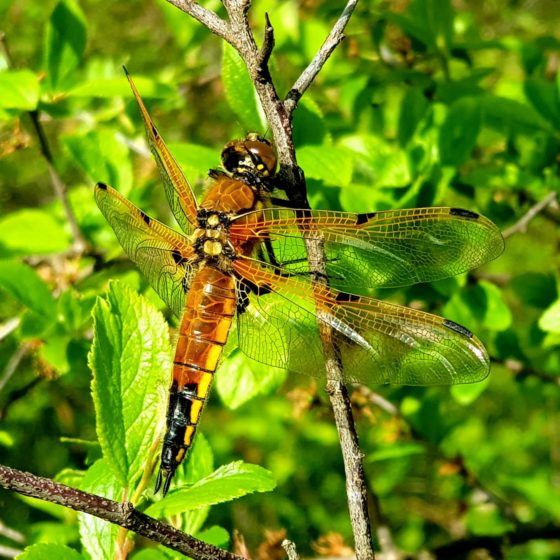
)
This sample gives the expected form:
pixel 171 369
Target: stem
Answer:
pixel 122 514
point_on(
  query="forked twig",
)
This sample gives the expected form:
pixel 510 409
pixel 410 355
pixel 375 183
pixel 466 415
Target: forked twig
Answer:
pixel 279 115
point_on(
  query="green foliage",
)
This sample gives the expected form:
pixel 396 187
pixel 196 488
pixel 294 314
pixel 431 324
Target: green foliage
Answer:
pixel 433 103
pixel 131 361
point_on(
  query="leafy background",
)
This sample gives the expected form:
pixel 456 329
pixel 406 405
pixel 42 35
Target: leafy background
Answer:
pixel 427 102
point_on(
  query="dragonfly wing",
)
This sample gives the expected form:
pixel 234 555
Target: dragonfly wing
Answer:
pixel 164 256
pixel 280 321
pixel 379 249
pixel 179 193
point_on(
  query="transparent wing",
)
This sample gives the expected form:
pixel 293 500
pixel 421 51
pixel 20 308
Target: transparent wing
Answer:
pixel 164 256
pixel 179 193
pixel 280 320
pixel 379 249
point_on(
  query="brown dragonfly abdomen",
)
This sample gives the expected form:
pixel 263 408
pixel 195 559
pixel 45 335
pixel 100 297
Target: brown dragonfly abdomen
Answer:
pixel 209 311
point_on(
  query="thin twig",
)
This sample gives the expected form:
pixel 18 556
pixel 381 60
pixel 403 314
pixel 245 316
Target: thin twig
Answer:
pixel 12 365
pixel 59 187
pixel 122 514
pixel 521 225
pixel 290 549
pixel 9 326
pixel 9 552
pixel 310 73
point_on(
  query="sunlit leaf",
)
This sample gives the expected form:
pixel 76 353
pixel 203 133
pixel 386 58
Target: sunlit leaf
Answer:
pixel 32 232
pixel 19 89
pixel 47 551
pixel 131 365
pixel 225 484
pixel 238 379
pixel 99 537
pixel 240 93
pixel 103 157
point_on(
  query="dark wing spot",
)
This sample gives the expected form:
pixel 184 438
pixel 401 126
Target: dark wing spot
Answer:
pixel 362 219
pixel 244 289
pixel 345 297
pixel 177 257
pixel 102 186
pixel 464 213
pixel 154 131
pixel 457 328
pixel 145 217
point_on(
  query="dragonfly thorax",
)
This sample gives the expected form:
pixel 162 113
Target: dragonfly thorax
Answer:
pixel 211 236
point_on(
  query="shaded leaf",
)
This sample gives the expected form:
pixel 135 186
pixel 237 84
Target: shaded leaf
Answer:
pixel 65 42
pixel 458 134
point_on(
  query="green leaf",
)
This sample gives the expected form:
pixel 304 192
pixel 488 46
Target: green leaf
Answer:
pixel 238 379
pixel 239 91
pixel 309 125
pixel 150 554
pixel 508 116
pixel 413 108
pixel 19 89
pixel 65 42
pixel 428 21
pixel 331 165
pixel 130 360
pixel 459 131
pixel 119 87
pixel 225 484
pixel 483 303
pixel 486 519
pixel 215 535
pixel 467 394
pixel 103 157
pixel 47 551
pixel 195 160
pixel 32 232
pixel 544 97
pixel 24 285
pixel 549 321
pixel 396 451
pixel 98 536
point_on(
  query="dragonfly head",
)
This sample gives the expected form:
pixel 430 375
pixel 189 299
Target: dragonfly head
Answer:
pixel 254 155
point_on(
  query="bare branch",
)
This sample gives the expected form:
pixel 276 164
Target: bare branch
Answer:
pixel 521 225
pixel 309 74
pixel 122 514
pixel 356 488
pixel 209 19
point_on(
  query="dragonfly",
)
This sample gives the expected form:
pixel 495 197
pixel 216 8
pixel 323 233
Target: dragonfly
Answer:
pixel 243 257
